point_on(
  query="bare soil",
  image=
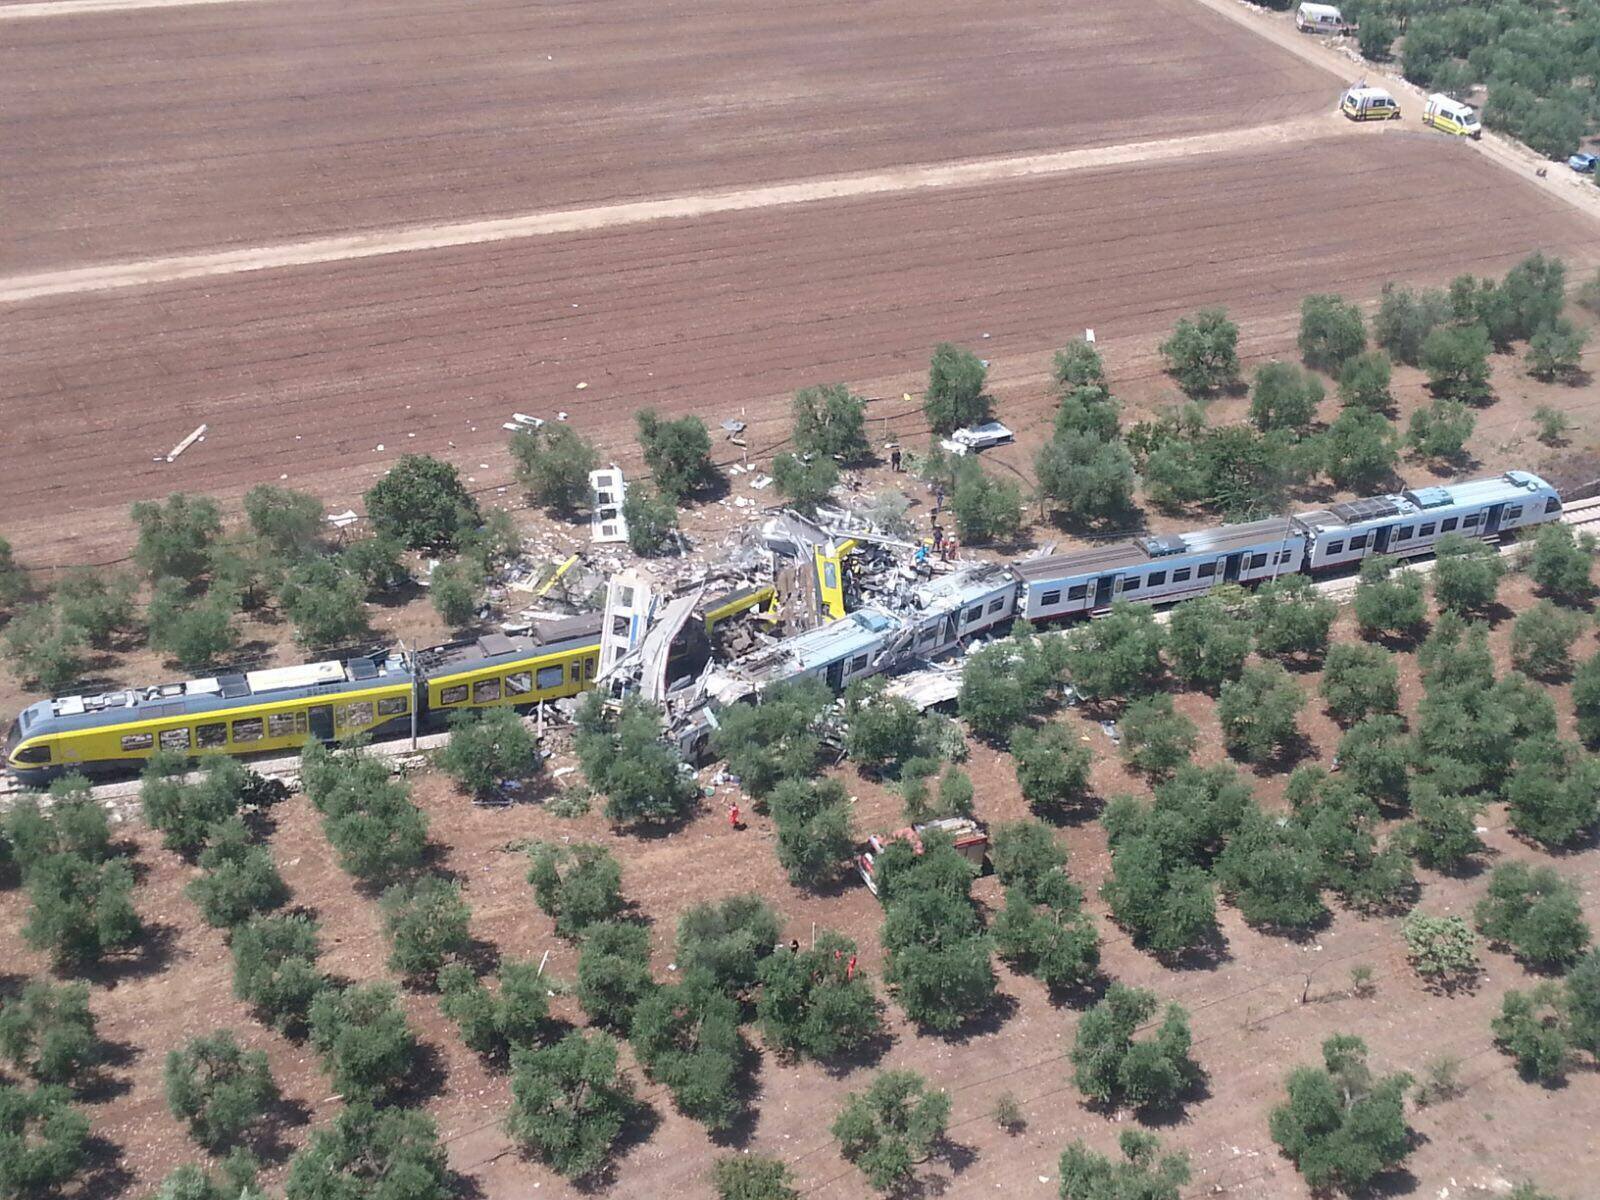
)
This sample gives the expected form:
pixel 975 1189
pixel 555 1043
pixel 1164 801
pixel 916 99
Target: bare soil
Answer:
pixel 150 131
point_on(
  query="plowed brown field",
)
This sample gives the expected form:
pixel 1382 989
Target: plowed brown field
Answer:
pixel 308 371
pixel 138 132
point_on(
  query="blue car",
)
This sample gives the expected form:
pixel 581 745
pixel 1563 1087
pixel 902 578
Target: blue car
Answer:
pixel 1583 164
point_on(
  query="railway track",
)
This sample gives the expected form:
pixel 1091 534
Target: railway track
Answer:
pixel 122 796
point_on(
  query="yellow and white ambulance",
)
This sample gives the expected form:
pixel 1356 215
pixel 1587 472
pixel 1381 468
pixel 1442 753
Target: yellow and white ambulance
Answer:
pixel 1451 116
pixel 1363 103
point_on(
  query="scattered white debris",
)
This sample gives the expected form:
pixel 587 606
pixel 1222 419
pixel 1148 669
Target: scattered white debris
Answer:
pixel 761 481
pixel 341 520
pixel 194 437
pixel 380 446
pixel 581 386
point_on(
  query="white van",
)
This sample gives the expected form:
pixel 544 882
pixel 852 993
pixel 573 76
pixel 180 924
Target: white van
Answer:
pixel 1452 116
pixel 1319 18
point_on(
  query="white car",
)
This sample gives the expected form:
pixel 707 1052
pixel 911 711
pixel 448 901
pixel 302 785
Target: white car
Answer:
pixel 979 437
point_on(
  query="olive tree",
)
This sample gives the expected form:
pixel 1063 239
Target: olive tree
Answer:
pixel 48 1032
pixel 1258 712
pixel 1562 564
pixel 1341 1125
pixel 488 750
pixel 578 885
pixel 422 502
pixel 1141 1175
pixel 891 1127
pixel 830 421
pixel 365 1042
pixel 553 462
pixel 368 1153
pixel 814 1002
pixel 1110 1067
pixel 1535 912
pixel 1203 352
pixel 569 1103
pixel 1332 332
pixel 678 453
pixel 1359 681
pixel 217 1088
pixel 955 397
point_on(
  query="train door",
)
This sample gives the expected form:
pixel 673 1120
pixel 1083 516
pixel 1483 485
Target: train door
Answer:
pixel 1104 588
pixel 321 717
pixel 1230 568
pixel 1380 539
pixel 836 674
pixel 1491 519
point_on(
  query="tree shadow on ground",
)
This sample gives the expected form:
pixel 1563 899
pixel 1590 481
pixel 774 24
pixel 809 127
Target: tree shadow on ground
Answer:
pixel 1176 1111
pixel 1209 954
pixel 99 1084
pixel 268 1142
pixel 995 1014
pixel 641 1125
pixel 156 951
pixel 747 1086
pixel 104 1173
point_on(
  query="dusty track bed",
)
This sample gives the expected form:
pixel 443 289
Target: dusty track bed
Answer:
pixel 140 132
pixel 307 372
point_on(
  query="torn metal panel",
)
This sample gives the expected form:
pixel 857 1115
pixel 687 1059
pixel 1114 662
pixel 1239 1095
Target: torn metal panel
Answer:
pixel 654 649
pixel 930 686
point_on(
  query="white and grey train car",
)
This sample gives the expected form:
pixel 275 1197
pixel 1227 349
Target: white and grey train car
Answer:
pixel 1157 570
pixel 1410 523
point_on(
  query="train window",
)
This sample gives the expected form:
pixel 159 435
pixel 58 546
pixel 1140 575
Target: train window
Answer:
pixel 39 754
pixel 1157 578
pixel 175 739
pixel 1078 592
pixel 1446 525
pixel 284 724
pixel 1181 574
pixel 453 695
pixel 1336 547
pixel 974 613
pixel 997 604
pixel 577 672
pixel 138 741
pixel 1425 529
pixel 1552 505
pixel 1402 533
pixel 550 677
pixel 1206 571
pixel 485 690
pixel 1257 561
pixel 619 626
pixel 859 663
pixel 1130 584
pixel 392 706
pixel 1359 542
pixel 519 683
pixel 209 737
pixel 249 729
pixel 1513 512
pixel 929 634
pixel 1285 555
pixel 627 597
pixel 1051 599
pixel 588 667
pixel 1470 520
pixel 356 716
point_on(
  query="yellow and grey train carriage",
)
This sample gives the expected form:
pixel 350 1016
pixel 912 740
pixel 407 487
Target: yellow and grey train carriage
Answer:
pixel 242 713
pixel 560 658
pixel 279 710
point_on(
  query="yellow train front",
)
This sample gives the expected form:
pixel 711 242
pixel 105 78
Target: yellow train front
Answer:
pixel 278 711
